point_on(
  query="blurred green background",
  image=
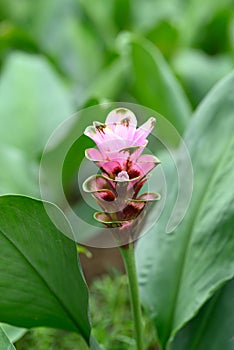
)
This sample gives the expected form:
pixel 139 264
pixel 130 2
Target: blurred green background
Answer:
pixel 59 56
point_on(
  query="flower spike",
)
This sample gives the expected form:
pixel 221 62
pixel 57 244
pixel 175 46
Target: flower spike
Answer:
pixel 124 170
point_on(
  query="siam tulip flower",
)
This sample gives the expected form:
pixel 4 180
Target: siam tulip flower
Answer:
pixel 124 169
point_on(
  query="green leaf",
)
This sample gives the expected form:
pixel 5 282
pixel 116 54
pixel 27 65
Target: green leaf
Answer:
pixel 20 174
pixel 109 82
pixel 41 282
pixel 33 101
pixel 122 14
pixel 148 13
pixel 155 86
pixel 178 273
pixel 212 326
pixel 165 36
pixel 100 14
pixel 5 343
pixel 196 17
pixel 63 23
pixel 75 42
pixel 13 333
pixel 199 72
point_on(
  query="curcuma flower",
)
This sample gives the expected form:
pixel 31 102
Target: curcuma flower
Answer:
pixel 123 170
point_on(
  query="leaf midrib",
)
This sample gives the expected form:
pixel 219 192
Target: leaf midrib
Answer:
pixel 189 238
pixel 59 301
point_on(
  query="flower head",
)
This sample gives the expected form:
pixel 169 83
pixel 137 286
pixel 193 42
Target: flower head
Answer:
pixel 124 169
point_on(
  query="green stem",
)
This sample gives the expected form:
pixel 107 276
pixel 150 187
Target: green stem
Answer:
pixel 130 266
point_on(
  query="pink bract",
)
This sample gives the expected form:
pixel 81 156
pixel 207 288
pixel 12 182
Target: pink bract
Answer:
pixel 124 169
pixel 120 144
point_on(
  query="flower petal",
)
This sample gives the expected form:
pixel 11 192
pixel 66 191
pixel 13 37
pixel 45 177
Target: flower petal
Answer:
pixel 94 155
pixel 104 137
pixel 123 123
pixel 97 183
pixel 105 195
pixel 132 152
pixel 107 221
pixel 118 114
pixel 110 168
pixel 133 209
pixel 148 158
pixel 147 197
pixel 138 185
pixel 143 131
pixel 146 163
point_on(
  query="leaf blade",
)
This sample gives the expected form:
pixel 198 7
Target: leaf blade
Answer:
pixel 156 86
pixel 201 249
pixel 57 295
pixel 213 324
pixel 36 100
pixel 5 343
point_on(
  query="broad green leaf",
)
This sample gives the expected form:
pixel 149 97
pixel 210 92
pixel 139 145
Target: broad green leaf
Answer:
pixel 216 38
pixel 5 343
pixel 76 48
pixel 109 83
pixel 33 101
pixel 20 174
pixel 155 86
pixel 100 14
pixel 12 36
pixel 197 15
pixel 213 326
pixel 199 72
pixel 179 272
pixel 148 13
pixel 165 36
pixel 63 23
pixel 41 282
pixel 13 333
pixel 122 14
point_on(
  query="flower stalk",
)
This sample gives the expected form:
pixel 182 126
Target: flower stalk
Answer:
pixel 128 256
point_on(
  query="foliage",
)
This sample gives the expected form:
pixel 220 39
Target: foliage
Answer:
pixel 48 260
pixel 114 331
pixel 47 338
pixel 59 56
pixel 5 342
pixel 198 258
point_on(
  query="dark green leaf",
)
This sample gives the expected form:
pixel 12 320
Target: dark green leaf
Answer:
pixel 41 282
pixel 213 326
pixel 197 16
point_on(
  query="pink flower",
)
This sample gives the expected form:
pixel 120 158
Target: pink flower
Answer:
pixel 120 145
pixel 124 169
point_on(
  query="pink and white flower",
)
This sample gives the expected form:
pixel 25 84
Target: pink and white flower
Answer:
pixel 124 169
pixel 120 145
